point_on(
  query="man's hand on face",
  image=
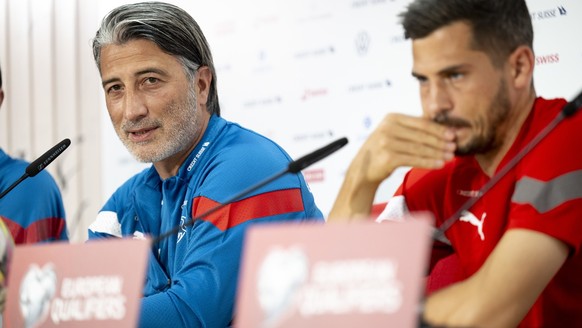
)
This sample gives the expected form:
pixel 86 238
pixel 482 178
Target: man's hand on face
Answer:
pixel 403 140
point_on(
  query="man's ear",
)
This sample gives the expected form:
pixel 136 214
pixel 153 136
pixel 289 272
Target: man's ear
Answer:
pixel 522 63
pixel 202 84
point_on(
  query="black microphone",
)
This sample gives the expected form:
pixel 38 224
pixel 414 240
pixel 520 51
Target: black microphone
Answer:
pixel 40 163
pixel 305 161
pixel 567 111
pixel 573 106
pixel 293 167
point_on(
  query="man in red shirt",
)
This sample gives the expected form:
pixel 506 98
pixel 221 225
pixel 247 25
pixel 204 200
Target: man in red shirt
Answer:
pixel 519 245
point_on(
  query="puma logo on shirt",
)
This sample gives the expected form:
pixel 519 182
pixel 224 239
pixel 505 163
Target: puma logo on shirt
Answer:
pixel 469 217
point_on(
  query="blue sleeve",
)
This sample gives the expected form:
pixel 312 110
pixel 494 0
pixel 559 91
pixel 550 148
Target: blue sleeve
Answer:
pixel 107 223
pixel 54 207
pixel 34 211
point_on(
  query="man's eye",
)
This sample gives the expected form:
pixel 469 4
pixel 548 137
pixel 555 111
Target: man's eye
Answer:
pixel 421 79
pixel 151 80
pixel 114 88
pixel 456 76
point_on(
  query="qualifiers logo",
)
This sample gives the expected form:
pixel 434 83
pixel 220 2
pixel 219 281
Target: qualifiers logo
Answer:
pixel 37 289
pixel 549 13
pixel 352 286
pixel 79 299
pixel 89 298
pixel 288 283
pixel 548 59
pixel 282 272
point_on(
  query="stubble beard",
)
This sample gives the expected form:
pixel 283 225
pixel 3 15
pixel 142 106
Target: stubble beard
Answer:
pixel 174 135
pixel 489 140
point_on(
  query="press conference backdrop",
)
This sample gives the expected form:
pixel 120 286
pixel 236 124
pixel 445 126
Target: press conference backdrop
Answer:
pixel 307 72
pixel 302 72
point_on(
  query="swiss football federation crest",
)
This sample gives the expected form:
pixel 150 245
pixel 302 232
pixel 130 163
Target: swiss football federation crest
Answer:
pixel 182 229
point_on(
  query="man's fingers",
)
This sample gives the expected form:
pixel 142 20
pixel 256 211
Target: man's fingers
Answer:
pixel 428 128
pixel 417 138
pixel 421 150
pixel 401 134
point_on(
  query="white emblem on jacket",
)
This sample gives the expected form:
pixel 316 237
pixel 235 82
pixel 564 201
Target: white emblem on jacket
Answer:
pixel 182 229
pixel 469 217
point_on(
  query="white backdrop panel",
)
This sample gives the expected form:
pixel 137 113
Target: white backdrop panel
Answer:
pixel 305 73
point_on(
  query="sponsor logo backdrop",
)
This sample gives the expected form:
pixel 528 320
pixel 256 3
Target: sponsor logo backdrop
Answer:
pixel 305 72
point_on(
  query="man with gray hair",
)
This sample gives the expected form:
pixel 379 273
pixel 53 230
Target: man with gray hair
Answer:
pixel 160 89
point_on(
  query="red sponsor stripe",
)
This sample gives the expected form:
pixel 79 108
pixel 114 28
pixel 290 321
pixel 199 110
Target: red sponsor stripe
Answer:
pixel 41 230
pixel 263 205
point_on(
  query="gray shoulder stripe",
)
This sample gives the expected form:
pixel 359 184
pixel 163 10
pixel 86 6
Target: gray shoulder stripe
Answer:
pixel 545 196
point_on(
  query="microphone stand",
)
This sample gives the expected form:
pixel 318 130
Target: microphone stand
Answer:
pixel 16 183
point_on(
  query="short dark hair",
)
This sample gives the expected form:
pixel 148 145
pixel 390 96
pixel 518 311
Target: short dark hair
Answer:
pixel 499 26
pixel 169 27
pixel 0 77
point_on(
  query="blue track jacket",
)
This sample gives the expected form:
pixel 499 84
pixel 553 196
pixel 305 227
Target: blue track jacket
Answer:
pixel 192 276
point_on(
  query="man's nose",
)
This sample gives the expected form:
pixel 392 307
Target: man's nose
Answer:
pixel 135 107
pixel 437 100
